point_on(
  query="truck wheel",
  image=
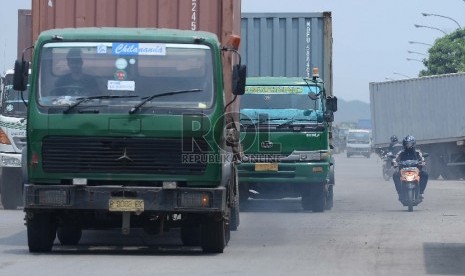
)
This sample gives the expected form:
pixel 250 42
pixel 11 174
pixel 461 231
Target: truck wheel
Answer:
pixel 234 222
pixel 190 234
pixel 213 235
pixel 307 201
pixel 315 198
pixel 329 197
pixel 433 167
pixel 12 190
pixel 40 232
pixel 69 234
pixel 450 173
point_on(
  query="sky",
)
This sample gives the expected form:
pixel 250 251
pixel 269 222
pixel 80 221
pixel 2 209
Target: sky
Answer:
pixel 370 37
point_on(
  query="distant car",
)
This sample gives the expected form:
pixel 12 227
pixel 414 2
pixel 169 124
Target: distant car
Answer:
pixel 359 142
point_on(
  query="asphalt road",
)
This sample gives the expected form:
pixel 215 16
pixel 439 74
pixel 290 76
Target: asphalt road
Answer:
pixel 368 232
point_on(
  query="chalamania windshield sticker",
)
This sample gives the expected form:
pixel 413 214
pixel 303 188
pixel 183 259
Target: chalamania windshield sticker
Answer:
pixel 139 49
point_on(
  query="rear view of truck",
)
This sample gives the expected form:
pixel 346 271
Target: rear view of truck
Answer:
pixel 430 109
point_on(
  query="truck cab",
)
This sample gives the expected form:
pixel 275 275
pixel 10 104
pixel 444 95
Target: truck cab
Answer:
pixel 13 110
pixel 138 144
pixel 285 126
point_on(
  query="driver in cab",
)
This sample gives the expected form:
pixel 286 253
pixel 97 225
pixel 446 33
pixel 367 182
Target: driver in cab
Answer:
pixel 75 83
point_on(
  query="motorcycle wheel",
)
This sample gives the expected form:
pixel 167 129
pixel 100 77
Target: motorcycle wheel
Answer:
pixel 386 175
pixel 410 200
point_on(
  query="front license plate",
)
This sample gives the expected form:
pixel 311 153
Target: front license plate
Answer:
pixel 266 167
pixel 125 205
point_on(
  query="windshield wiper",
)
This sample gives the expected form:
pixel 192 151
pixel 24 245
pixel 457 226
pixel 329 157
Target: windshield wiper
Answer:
pixel 292 121
pixel 148 99
pixel 101 97
pixel 261 120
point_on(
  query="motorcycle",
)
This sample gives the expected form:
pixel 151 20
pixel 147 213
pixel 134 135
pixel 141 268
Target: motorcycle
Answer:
pixel 388 169
pixel 410 183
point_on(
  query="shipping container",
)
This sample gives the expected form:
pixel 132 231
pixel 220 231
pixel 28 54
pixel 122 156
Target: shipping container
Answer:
pixel 24 33
pixel 218 17
pixel 287 44
pixel 204 15
pixel 430 109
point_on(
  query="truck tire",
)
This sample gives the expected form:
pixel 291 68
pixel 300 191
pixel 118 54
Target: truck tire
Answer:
pixel 69 234
pixel 213 235
pixel 12 188
pixel 329 197
pixel 315 198
pixel 235 220
pixel 40 232
pixel 432 167
pixel 190 235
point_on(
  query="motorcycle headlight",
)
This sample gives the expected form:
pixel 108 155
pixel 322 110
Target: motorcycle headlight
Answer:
pixel 410 177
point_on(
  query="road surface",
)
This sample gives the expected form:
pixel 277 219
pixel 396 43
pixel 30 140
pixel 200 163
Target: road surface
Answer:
pixel 368 232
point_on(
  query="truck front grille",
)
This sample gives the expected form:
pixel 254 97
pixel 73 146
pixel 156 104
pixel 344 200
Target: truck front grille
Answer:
pixel 122 155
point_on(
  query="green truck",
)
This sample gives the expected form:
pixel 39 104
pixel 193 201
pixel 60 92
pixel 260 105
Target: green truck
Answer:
pixel 137 141
pixel 285 134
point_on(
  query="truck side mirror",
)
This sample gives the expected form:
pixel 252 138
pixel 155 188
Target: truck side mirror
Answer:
pixel 329 116
pixel 238 79
pixel 331 103
pixel 20 77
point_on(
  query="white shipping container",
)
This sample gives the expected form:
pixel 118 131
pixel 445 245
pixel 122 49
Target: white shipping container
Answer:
pixel 429 108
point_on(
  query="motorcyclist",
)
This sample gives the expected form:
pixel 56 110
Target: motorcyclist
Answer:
pixel 394 146
pixel 410 153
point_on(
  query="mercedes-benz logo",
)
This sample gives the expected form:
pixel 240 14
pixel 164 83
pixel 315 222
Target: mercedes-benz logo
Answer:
pixel 266 144
pixel 124 156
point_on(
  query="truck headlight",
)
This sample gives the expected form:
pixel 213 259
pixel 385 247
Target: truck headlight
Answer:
pixel 8 161
pixel 194 199
pixel 52 197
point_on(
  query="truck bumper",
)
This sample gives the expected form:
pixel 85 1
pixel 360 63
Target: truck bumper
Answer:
pixel 178 200
pixel 359 151
pixel 286 173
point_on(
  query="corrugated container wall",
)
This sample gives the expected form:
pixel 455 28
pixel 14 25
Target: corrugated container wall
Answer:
pixel 287 44
pixel 221 17
pixel 429 108
pixel 24 33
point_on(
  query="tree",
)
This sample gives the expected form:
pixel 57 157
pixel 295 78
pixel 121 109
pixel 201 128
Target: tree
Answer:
pixel 447 55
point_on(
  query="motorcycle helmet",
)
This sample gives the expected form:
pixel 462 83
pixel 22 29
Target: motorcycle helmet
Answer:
pixel 394 139
pixel 409 142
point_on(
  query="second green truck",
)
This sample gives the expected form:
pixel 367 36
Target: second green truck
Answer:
pixel 285 134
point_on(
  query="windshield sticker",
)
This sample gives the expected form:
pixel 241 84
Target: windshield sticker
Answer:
pixel 9 108
pixel 274 90
pixel 141 49
pixel 120 75
pixel 202 105
pixel 121 85
pixel 101 49
pixel 121 63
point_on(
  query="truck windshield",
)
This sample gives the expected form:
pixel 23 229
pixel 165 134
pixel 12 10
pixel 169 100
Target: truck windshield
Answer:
pixel 12 105
pixel 279 97
pixel 71 71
